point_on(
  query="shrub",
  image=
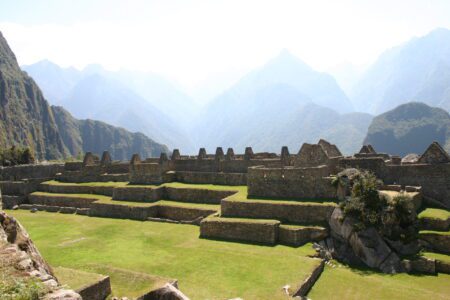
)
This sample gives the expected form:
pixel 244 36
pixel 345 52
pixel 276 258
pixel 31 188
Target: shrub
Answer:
pixel 395 219
pixel 16 156
pixel 21 288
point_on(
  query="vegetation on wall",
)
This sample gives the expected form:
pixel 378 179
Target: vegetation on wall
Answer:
pixel 394 218
pixel 16 156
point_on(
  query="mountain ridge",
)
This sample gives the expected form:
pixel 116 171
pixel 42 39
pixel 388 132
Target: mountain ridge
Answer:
pixel 26 119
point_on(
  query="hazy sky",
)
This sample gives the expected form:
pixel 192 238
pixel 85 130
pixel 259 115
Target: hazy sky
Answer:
pixel 191 41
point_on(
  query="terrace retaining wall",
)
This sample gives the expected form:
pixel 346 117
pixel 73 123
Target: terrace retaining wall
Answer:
pixel 240 230
pixel 61 201
pixel 97 291
pixel 292 236
pixel 295 212
pixel 211 178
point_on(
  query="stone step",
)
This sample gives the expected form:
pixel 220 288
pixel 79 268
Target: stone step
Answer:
pixel 437 241
pixel 297 235
pixel 435 219
pixel 285 211
pixel 442 261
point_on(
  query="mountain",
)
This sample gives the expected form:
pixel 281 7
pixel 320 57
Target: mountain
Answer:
pixel 96 136
pixel 54 81
pixel 25 116
pixel 137 101
pixel 409 128
pixel 106 99
pixel 283 103
pixel 418 70
pixel 26 119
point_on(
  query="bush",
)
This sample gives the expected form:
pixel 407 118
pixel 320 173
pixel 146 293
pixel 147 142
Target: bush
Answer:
pixel 395 219
pixel 24 288
pixel 16 156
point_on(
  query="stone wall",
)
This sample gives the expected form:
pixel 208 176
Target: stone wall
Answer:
pixel 196 195
pixel 76 189
pixel 30 171
pixel 436 241
pixel 179 213
pixel 120 211
pixel 146 173
pixel 434 179
pixel 295 212
pixel 138 194
pixel 99 290
pixel 309 281
pixel 290 182
pixel 298 236
pixel 211 178
pixel 256 231
pixel 61 201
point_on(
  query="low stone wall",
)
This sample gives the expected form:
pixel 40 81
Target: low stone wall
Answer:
pixel 182 213
pixel 10 201
pixel 295 212
pixel 81 177
pixel 76 189
pixel 138 194
pixel 96 291
pixel 434 224
pixel 61 201
pixel 211 178
pixel 439 242
pixel 14 187
pixel 442 266
pixel 196 195
pixel 255 231
pixel 297 236
pixel 289 182
pixel 309 282
pixel 30 171
pixel 122 211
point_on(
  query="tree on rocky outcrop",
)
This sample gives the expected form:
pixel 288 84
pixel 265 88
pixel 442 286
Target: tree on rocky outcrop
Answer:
pixel 368 228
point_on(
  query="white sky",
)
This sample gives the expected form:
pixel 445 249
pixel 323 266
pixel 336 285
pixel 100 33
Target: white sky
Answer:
pixel 192 41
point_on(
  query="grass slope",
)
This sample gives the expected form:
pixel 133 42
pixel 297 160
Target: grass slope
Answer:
pixel 205 269
pixel 350 284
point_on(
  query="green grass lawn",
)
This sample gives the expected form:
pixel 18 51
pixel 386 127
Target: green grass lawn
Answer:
pixel 435 213
pixel 350 284
pixel 133 253
pixel 75 279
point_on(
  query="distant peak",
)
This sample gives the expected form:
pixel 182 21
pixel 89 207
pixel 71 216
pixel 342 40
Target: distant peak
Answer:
pixel 285 57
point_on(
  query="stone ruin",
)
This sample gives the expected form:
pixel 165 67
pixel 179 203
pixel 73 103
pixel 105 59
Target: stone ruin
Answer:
pixel 306 175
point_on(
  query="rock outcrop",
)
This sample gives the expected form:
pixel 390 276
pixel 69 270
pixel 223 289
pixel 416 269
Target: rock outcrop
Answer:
pixel 20 258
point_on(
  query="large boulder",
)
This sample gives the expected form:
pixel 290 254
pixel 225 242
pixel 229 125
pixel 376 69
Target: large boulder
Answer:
pixel 367 245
